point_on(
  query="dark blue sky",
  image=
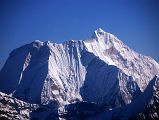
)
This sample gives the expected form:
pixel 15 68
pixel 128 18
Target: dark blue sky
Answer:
pixel 135 22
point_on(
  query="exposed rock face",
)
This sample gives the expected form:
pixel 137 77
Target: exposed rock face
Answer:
pixel 14 109
pixel 101 69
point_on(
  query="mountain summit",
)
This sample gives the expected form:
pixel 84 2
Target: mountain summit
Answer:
pixel 98 33
pixel 101 69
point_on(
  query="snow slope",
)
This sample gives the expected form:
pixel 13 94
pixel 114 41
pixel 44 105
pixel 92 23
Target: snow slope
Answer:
pixel 114 52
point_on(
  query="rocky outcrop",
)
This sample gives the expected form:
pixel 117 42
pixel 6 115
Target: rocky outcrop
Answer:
pixel 14 109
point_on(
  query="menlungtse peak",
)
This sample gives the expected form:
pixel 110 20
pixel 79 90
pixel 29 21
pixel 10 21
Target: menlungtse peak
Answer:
pixel 102 70
pixel 98 33
pixel 45 71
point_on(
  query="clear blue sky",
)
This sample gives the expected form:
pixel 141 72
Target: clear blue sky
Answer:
pixel 135 22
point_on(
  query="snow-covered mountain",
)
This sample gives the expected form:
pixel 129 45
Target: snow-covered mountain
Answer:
pixel 101 69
